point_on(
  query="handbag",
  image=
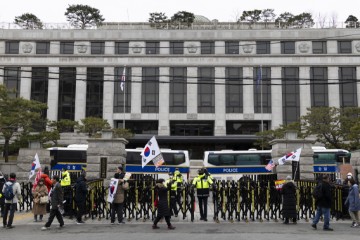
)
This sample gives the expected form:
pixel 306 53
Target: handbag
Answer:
pixel 44 199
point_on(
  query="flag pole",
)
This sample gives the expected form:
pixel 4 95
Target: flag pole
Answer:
pixel 261 109
pixel 124 72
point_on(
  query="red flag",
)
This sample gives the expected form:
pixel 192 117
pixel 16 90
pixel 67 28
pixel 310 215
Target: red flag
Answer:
pixel 37 178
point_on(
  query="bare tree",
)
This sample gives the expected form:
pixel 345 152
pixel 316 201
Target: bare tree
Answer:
pixel 321 19
pixel 333 19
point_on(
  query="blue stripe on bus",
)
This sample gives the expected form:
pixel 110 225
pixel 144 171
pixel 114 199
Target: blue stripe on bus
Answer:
pixel 229 170
pixel 153 169
pixel 320 169
pixel 69 166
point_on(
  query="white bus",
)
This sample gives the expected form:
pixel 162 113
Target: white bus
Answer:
pixel 231 165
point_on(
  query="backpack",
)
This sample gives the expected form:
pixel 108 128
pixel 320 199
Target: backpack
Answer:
pixel 9 192
pixel 317 192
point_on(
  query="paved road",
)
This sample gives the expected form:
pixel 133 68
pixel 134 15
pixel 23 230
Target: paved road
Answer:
pixel 26 229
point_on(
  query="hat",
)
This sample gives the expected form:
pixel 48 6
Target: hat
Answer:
pixel 288 177
pixel 120 168
pixel 349 174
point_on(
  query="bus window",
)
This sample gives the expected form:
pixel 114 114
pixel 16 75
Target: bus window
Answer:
pixel 248 159
pixel 227 160
pixel 342 157
pixel 213 159
pixel 324 158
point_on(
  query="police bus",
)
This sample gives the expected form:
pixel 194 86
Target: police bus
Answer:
pixel 230 164
pixel 73 158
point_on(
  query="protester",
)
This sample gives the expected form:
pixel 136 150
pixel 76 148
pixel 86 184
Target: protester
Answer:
pixel 80 197
pixel 39 208
pixel 288 192
pixel 48 183
pixel 162 207
pixel 2 198
pixel 119 198
pixel 323 204
pixel 57 198
pixel 354 203
pixel 12 194
pixel 202 184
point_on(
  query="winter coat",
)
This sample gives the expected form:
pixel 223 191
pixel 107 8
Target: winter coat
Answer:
pixel 325 200
pixel 163 204
pixel 16 190
pixel 353 198
pixel 40 191
pixel 57 196
pixel 80 190
pixel 289 200
pixel 119 196
pixel 2 182
pixel 47 181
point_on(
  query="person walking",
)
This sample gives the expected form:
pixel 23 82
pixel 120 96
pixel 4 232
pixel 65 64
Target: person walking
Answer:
pixel 12 194
pixel 354 202
pixel 323 204
pixel 39 208
pixel 119 198
pixel 2 198
pixel 56 199
pixel 288 192
pixel 80 197
pixel 163 210
pixel 202 184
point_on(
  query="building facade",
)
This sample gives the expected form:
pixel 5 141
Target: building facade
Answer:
pixel 198 89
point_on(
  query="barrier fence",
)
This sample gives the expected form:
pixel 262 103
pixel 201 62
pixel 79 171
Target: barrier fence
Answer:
pixel 242 200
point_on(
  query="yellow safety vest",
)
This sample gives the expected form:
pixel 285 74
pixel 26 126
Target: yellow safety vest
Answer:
pixel 65 180
pixel 173 185
pixel 178 177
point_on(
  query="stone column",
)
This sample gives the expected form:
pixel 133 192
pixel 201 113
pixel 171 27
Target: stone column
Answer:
pixel 220 103
pixel 280 147
pixel 164 48
pixel 104 155
pixel 26 157
pixel 80 96
pixel 54 47
pixel 305 95
pixel 248 90
pixel 53 94
pixel 136 90
pixel 192 90
pixel 357 85
pixel 164 92
pixel 334 89
pixel 108 98
pixel 276 98
pixel 2 74
pixel 25 85
pixel 219 47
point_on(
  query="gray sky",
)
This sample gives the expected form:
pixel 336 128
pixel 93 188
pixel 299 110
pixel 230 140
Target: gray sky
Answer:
pixel 52 11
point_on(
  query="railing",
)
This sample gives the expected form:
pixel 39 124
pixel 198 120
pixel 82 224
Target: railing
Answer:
pixel 194 26
pixel 243 200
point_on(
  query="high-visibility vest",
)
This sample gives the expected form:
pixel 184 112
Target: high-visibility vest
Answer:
pixel 202 184
pixel 173 184
pixel 65 180
pixel 178 178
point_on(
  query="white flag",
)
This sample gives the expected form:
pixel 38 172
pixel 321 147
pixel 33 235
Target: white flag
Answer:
pixel 112 189
pixel 123 77
pixel 152 152
pixel 34 165
pixel 292 156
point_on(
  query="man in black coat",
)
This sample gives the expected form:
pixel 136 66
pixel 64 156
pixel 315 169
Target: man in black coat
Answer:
pixel 80 197
pixel 323 204
pixel 289 201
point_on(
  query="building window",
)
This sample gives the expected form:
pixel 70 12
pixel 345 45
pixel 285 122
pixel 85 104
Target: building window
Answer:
pixel 319 47
pixel 140 127
pixel 42 47
pixel 234 90
pixel 176 47
pixel 150 90
pixel 121 47
pixel 262 87
pixel 12 80
pixel 97 47
pixel 319 87
pixel 67 91
pixel 288 47
pixel 206 90
pixel 263 47
pixel 245 127
pixel 191 128
pixel 12 47
pixel 94 92
pixel 66 47
pixel 207 47
pixel 290 94
pixel 344 47
pixel 39 91
pixel 232 47
pixel 119 93
pixel 152 47
pixel 178 89
pixel 348 84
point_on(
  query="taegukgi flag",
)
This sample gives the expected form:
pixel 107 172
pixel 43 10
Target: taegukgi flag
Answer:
pixel 112 189
pixel 152 152
pixel 34 165
pixel 292 156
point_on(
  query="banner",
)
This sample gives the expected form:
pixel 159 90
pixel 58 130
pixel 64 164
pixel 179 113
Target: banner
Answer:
pixel 279 184
pixel 152 152
pixel 112 189
pixel 34 165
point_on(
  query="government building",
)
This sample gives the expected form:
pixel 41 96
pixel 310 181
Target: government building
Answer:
pixel 208 86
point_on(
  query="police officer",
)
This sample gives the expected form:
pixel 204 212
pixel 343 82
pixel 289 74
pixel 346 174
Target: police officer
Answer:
pixel 202 184
pixel 68 192
pixel 178 177
pixel 171 184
